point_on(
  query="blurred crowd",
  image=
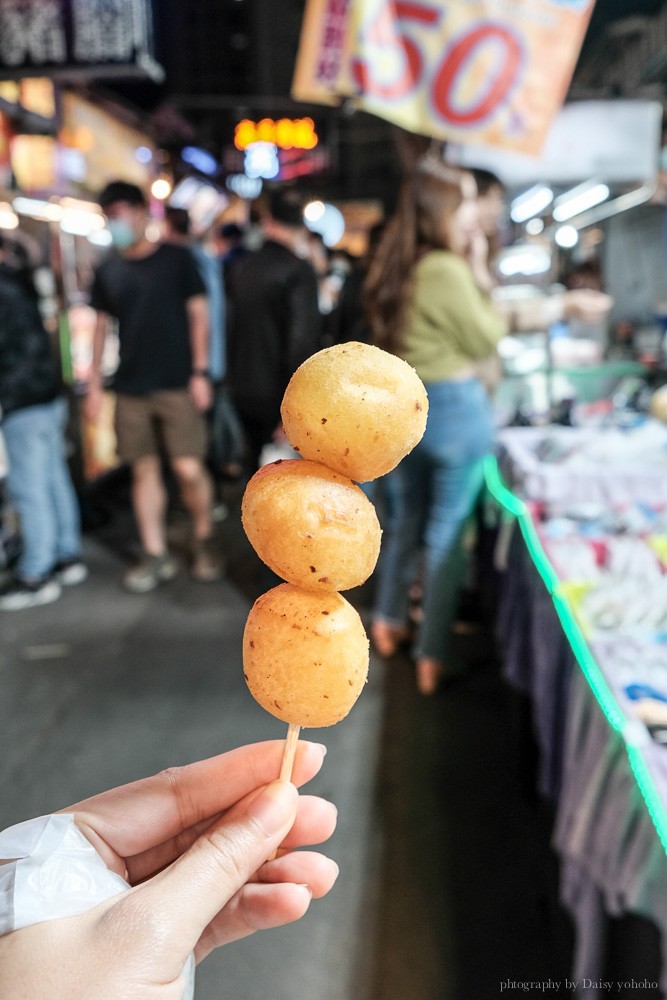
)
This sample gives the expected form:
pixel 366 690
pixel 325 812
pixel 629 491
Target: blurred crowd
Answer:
pixel 210 329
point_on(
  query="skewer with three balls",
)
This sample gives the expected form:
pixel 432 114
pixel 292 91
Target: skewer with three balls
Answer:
pixel 352 412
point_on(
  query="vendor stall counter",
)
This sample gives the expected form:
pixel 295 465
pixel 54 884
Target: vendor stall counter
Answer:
pixel 583 625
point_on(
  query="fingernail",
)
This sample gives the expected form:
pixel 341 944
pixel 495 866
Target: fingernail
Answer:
pixel 274 807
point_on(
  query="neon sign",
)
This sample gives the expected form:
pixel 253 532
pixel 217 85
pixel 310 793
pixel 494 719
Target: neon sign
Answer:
pixel 286 133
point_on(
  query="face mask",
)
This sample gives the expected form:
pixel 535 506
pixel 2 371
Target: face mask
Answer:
pixel 122 233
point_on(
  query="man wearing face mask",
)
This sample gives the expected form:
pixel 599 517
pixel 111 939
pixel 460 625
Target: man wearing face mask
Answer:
pixel 157 298
pixel 274 322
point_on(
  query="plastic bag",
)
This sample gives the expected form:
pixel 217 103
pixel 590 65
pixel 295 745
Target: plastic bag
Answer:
pixel 53 871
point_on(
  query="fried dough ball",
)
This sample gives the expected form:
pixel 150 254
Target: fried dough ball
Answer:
pixel 305 655
pixel 311 526
pixel 355 408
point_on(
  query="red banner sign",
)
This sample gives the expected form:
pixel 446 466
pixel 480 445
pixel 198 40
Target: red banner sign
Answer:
pixel 489 72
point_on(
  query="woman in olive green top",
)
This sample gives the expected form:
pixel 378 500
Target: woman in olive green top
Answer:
pixel 428 302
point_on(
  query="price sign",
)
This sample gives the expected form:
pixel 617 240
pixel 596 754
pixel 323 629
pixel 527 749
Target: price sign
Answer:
pixel 487 72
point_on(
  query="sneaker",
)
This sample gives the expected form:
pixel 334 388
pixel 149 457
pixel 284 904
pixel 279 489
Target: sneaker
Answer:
pixel 69 572
pixel 206 564
pixel 23 594
pixel 150 573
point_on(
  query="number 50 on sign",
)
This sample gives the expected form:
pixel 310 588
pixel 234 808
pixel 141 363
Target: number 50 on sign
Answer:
pixel 488 72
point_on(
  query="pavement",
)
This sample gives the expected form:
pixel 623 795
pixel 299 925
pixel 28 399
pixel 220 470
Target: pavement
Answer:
pixel 447 883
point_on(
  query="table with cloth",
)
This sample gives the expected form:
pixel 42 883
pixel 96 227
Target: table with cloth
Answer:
pixel 583 627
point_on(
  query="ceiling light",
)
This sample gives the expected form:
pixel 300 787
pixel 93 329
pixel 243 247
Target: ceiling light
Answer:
pixel 313 211
pixel 579 199
pixel 566 237
pixel 37 208
pixel 329 222
pixel 531 202
pixel 526 259
pixel 161 188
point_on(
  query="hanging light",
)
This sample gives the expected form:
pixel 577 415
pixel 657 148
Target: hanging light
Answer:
pixel 531 202
pixel 161 188
pixel 579 200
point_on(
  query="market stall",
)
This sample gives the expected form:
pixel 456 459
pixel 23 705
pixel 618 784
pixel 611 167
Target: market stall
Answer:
pixel 583 623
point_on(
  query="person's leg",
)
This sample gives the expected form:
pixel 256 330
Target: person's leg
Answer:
pixel 184 434
pixel 196 489
pixel 400 553
pixel 149 503
pixel 458 434
pixel 227 438
pixel 28 441
pixel 138 446
pixel 196 492
pixel 28 437
pixel 63 497
pixel 257 432
pixel 455 494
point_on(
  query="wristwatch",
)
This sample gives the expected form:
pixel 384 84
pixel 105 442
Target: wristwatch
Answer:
pixel 201 372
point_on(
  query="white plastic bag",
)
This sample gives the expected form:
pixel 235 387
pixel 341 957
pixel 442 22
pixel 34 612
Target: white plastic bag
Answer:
pixel 53 871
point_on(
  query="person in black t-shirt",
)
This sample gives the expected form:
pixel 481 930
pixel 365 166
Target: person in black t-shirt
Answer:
pixel 162 385
pixel 274 322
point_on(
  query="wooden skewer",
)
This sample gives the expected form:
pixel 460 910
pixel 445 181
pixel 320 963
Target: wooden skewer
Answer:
pixel 289 752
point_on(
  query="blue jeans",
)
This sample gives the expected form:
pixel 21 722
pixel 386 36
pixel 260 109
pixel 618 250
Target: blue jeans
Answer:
pixel 438 485
pixel 40 487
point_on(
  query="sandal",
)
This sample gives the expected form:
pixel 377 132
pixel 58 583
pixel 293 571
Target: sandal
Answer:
pixel 428 675
pixel 387 639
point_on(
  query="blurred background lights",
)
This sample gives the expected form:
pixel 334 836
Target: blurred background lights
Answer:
pixel 313 211
pixel 100 238
pixel 143 154
pixel 579 200
pixel 161 188
pixel 198 158
pixel 328 221
pixel 566 237
pixel 531 202
pixel 261 160
pixel 524 259
pixel 37 208
pixel 244 187
pixel 534 227
pixel 8 217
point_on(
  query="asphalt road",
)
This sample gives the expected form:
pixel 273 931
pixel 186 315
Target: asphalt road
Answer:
pixel 446 883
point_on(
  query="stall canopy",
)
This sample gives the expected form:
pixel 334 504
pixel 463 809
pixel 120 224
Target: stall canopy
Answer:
pixel 615 143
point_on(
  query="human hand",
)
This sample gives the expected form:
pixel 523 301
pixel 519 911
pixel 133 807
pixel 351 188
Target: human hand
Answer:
pixel 193 843
pixel 201 392
pixel 478 258
pixel 586 304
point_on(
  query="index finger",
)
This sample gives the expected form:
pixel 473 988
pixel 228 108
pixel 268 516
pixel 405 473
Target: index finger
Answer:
pixel 140 815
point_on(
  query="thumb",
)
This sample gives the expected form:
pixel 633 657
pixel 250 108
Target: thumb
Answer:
pixel 193 890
